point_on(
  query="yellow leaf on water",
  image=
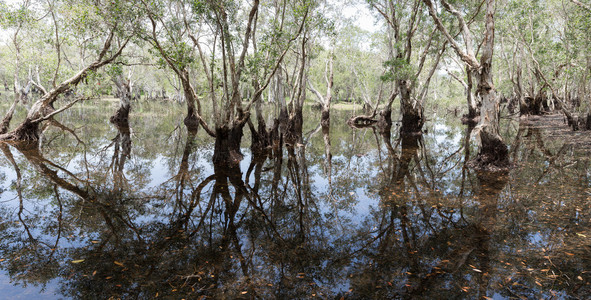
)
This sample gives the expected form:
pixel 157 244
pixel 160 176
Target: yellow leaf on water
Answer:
pixel 581 235
pixel 77 261
pixel 244 292
pixel 118 263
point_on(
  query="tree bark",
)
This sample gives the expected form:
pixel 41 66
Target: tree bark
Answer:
pixel 227 146
pixel 411 110
pixel 121 116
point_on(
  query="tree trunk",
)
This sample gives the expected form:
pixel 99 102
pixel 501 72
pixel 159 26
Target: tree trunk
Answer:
pixel 227 146
pixel 472 108
pixel 411 110
pixel 493 151
pixel 121 117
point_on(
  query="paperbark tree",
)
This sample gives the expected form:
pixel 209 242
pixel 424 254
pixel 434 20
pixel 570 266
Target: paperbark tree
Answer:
pixel 221 42
pixel 325 100
pixel 406 30
pixel 43 108
pixel 493 152
pixel 111 27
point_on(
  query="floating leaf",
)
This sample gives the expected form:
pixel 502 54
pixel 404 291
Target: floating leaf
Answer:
pixel 476 270
pixel 77 261
pixel 581 235
pixel 118 263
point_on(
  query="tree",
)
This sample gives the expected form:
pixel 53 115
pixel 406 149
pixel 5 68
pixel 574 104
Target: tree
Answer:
pixel 406 29
pixel 111 26
pixel 493 151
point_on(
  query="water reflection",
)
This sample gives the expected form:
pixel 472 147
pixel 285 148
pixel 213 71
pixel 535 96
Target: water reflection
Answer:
pixel 345 213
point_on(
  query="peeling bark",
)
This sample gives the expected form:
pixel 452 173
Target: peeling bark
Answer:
pixel 121 117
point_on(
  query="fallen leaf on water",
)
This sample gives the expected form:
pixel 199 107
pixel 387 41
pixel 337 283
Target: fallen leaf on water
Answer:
pixel 538 283
pixel 118 263
pixel 582 235
pixel 244 292
pixel 77 261
pixel 476 270
pixel 94 273
pixel 94 242
pixel 579 278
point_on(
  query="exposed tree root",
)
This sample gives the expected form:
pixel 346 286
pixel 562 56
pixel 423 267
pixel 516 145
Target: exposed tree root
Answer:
pixel 493 157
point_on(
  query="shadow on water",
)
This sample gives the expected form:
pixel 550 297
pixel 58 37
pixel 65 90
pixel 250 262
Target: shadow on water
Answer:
pixel 346 214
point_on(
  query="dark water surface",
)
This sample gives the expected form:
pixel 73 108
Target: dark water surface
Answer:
pixel 353 214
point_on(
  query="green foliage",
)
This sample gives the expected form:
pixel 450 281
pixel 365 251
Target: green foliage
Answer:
pixel 397 69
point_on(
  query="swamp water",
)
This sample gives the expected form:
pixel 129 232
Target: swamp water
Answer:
pixel 351 213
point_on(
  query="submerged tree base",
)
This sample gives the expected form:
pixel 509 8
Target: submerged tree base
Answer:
pixel 27 131
pixel 492 158
pixel 227 146
pixel 121 117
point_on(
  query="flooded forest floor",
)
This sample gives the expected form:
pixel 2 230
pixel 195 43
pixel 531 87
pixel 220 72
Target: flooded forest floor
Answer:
pixel 94 211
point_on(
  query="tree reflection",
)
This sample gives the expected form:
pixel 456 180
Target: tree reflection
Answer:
pixel 291 223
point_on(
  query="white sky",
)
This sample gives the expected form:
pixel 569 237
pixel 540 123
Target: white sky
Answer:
pixel 363 17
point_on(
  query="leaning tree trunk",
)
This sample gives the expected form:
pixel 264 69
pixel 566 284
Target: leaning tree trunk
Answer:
pixel 43 108
pixel 192 119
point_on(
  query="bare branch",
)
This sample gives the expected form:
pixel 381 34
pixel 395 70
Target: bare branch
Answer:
pixel 468 59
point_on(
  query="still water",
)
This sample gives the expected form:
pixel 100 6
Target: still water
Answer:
pixel 96 212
